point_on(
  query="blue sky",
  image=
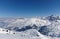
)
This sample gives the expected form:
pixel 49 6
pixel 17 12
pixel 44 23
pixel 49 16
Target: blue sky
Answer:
pixel 29 8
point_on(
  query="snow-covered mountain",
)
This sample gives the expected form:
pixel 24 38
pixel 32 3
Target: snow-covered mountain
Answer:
pixel 29 22
pixel 30 28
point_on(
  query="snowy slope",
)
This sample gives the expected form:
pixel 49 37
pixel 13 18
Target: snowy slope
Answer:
pixel 30 34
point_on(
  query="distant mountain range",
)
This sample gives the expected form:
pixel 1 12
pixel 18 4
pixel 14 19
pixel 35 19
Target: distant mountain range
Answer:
pixel 35 27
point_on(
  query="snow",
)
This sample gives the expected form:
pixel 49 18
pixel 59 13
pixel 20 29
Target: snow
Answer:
pixel 37 21
pixel 29 21
pixel 6 31
pixel 39 28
